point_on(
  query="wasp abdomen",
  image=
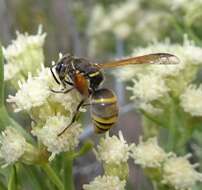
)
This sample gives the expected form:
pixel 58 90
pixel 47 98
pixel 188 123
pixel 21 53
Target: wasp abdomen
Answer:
pixel 104 110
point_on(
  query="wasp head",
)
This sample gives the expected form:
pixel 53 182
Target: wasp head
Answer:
pixel 62 66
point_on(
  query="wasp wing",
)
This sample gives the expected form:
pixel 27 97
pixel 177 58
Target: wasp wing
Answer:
pixel 155 58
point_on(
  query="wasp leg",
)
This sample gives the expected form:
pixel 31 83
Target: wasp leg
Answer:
pixel 56 80
pixel 69 83
pixel 74 117
pixel 88 104
pixel 62 91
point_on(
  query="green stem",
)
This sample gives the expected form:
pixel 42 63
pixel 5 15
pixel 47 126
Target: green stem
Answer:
pixel 53 176
pixel 2 186
pixel 151 118
pixel 88 145
pixel 68 164
pixel 154 184
pixel 1 78
pixel 172 127
pixel 12 182
pixel 68 172
pixel 4 118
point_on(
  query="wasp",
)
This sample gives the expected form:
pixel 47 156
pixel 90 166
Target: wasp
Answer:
pixel 86 77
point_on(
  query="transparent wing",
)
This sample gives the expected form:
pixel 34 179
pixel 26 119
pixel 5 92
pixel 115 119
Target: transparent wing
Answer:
pixel 156 58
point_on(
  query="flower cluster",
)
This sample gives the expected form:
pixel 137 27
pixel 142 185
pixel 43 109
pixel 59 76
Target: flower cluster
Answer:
pixel 155 83
pixel 24 55
pixel 106 182
pixel 179 173
pixel 55 144
pixel 191 100
pixel 148 154
pixel 51 112
pixel 174 171
pixel 35 97
pixel 13 145
pixel 114 152
pixel 113 149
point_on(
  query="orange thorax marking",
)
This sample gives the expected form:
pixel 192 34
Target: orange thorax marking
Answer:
pixel 81 84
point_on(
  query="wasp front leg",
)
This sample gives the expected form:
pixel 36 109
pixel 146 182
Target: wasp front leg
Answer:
pixel 62 91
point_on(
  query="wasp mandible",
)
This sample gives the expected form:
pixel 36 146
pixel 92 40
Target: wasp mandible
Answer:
pixel 86 77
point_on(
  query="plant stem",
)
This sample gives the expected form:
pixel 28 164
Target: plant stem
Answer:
pixel 4 118
pixel 172 126
pixel 68 164
pixel 68 172
pixel 12 182
pixel 1 78
pixel 87 146
pixel 2 186
pixel 151 118
pixel 53 176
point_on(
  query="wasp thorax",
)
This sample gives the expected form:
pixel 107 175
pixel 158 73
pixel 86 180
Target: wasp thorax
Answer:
pixel 104 110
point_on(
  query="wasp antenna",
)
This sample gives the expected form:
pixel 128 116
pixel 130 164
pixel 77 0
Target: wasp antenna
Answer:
pixel 60 55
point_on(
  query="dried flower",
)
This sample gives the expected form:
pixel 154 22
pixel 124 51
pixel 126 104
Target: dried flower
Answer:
pixel 106 183
pixel 179 173
pixel 148 154
pixel 55 144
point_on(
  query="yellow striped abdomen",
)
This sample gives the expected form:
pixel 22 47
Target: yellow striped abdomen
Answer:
pixel 104 110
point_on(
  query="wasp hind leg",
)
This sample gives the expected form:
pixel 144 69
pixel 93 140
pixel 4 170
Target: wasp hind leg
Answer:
pixel 74 117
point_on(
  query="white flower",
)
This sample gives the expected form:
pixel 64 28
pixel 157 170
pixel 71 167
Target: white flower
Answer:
pixel 55 144
pixel 148 154
pixel 113 149
pixel 22 42
pixel 106 183
pixel 191 100
pixel 148 88
pixel 25 53
pixel 32 93
pixel 12 145
pixel 10 71
pixel 179 173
